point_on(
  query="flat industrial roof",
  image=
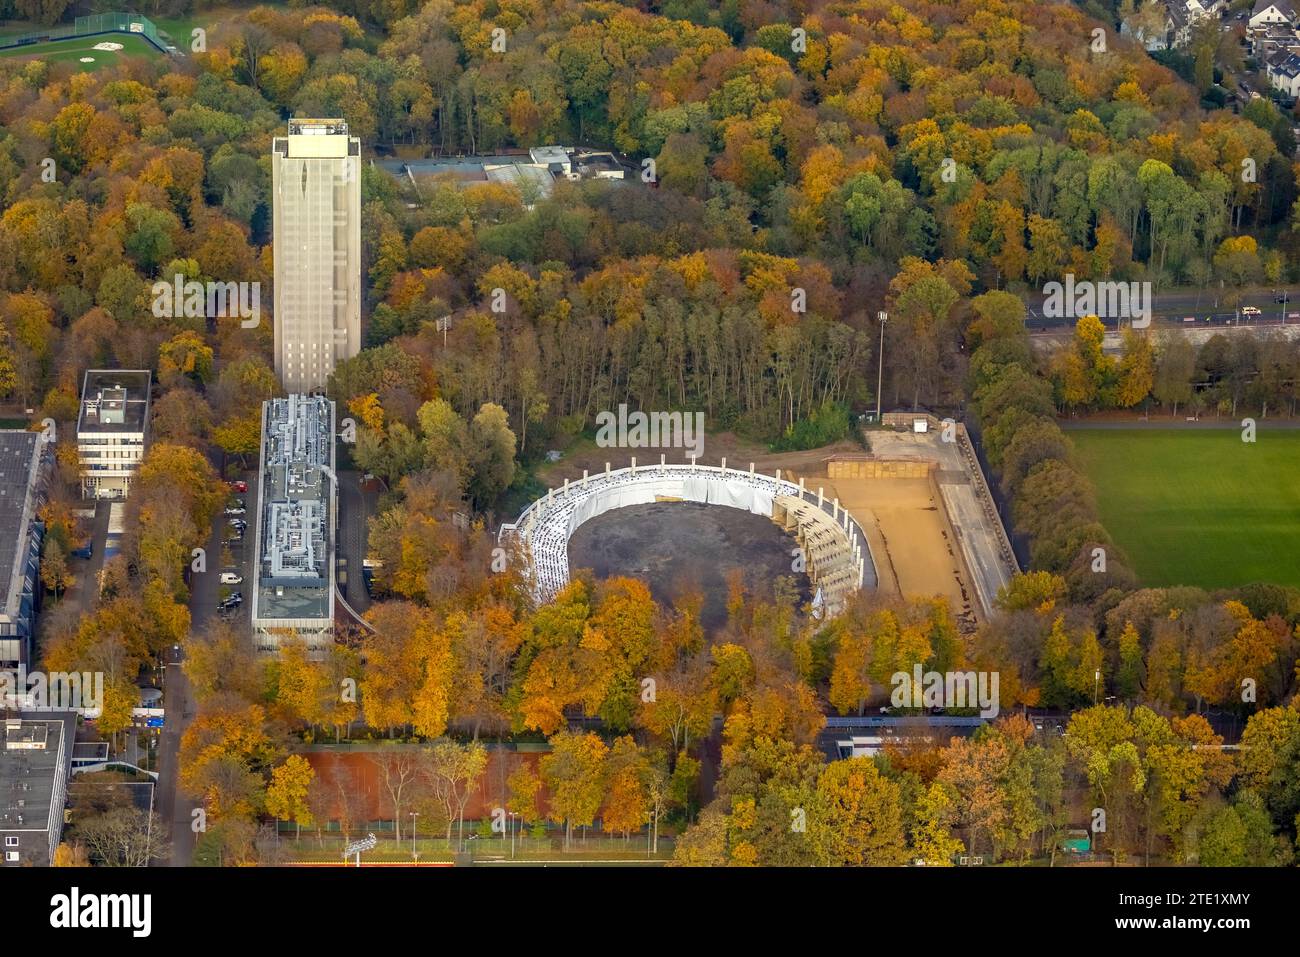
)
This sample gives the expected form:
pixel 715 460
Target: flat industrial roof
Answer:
pixel 29 763
pixel 523 177
pixel 316 139
pixel 19 472
pixel 293 532
pixel 549 154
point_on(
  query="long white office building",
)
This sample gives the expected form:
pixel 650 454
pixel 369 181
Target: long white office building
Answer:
pixel 293 584
pixel 316 224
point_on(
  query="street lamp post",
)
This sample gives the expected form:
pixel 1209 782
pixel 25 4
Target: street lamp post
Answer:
pixel 414 855
pixel 1096 683
pixel 880 372
pixel 513 815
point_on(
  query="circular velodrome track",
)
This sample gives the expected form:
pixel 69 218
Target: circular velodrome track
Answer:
pixel 838 558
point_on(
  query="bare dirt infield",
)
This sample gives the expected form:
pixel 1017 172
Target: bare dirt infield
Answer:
pixel 675 545
pixel 584 454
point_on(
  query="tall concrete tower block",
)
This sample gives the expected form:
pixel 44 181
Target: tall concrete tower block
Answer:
pixel 316 219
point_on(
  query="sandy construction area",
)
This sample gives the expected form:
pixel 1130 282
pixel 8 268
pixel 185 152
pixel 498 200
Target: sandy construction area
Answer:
pixel 911 540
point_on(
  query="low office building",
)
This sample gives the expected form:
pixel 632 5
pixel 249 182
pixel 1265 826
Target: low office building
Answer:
pixel 556 159
pixel 533 175
pixel 35 767
pixel 293 580
pixel 24 470
pixel 111 430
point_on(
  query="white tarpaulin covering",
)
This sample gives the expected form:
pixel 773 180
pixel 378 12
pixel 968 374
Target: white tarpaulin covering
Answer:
pixel 546 526
pixel 705 490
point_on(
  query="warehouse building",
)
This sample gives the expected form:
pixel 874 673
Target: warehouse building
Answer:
pixel 35 768
pixel 25 460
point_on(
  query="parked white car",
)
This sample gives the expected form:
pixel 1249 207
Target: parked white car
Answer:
pixel 231 578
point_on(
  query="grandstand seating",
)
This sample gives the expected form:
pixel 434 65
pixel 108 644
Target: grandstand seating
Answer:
pixel 839 560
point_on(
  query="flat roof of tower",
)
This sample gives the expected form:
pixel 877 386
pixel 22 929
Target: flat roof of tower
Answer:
pixel 114 400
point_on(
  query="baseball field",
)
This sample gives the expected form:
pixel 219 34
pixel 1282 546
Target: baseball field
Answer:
pixel 82 52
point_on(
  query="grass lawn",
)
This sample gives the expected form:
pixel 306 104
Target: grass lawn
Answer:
pixel 63 51
pixel 13 28
pixel 180 28
pixel 1199 507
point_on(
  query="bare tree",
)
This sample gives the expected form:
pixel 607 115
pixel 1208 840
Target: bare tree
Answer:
pixel 321 804
pixel 348 799
pixel 451 771
pixel 266 846
pixel 124 837
pixel 396 771
pixel 256 43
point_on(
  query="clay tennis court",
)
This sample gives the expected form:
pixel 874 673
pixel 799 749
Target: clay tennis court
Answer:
pixel 359 772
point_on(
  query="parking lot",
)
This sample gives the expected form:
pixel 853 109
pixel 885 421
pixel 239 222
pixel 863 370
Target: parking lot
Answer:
pixel 85 571
pixel 206 590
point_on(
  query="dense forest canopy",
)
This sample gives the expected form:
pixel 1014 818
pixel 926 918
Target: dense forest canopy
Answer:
pixel 806 166
pixel 820 160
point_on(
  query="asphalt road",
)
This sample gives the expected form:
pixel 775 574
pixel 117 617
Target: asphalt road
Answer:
pixel 175 808
pixel 206 590
pixel 356 506
pixel 1204 305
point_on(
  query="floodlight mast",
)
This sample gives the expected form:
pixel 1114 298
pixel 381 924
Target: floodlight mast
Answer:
pixel 356 847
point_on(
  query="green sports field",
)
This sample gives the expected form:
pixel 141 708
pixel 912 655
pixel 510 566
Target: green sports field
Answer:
pixel 64 51
pixel 1199 507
